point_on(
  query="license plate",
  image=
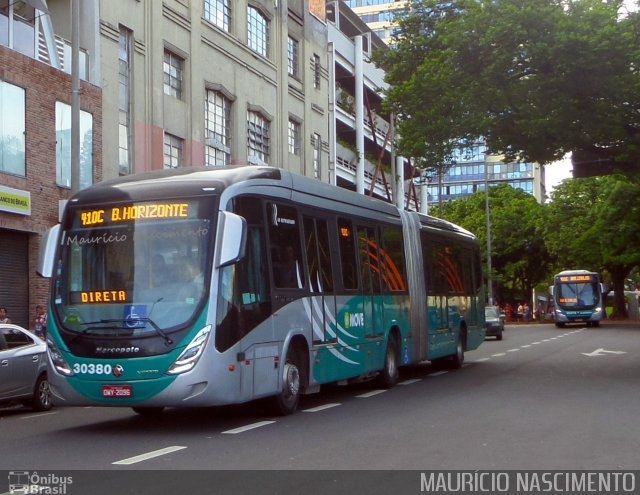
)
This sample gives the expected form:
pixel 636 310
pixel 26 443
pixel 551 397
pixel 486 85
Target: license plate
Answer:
pixel 116 391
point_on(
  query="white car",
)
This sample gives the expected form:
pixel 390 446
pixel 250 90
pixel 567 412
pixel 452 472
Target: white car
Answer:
pixel 23 368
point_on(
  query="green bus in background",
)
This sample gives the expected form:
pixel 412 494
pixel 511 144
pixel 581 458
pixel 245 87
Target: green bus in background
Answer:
pixel 577 298
pixel 200 287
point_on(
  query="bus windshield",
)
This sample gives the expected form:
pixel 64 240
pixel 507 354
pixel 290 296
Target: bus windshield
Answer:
pixel 134 269
pixel 578 295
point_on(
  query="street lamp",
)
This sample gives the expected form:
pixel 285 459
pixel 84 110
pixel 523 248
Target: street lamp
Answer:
pixel 486 205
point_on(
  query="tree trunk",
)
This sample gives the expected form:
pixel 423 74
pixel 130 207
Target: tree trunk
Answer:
pixel 619 301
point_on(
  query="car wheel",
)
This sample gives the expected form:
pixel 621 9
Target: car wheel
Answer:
pixel 41 400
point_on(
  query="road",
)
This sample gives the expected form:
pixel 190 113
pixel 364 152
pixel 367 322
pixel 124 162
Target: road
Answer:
pixel 541 399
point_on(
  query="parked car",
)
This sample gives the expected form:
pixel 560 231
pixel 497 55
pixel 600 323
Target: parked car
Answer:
pixel 23 368
pixel 494 319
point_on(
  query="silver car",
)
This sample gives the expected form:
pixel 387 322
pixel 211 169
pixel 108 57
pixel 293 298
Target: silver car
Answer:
pixel 23 368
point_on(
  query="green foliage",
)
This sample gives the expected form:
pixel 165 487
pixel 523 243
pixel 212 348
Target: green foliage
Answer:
pixel 594 224
pixel 519 257
pixel 535 78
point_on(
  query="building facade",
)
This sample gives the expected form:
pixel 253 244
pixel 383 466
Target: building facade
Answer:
pixel 35 149
pixel 214 82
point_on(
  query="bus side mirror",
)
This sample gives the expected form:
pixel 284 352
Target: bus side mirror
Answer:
pixel 603 289
pixel 232 236
pixel 47 254
pixel 551 290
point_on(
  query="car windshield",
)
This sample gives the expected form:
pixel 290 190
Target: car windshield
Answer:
pixel 133 268
pixel 491 313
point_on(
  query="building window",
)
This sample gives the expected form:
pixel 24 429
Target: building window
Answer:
pixel 124 102
pixel 316 142
pixel 292 57
pixel 257 31
pixel 63 147
pixel 257 137
pixel 173 74
pixel 218 12
pixel 293 137
pixel 316 71
pixel 12 129
pixel 217 129
pixel 172 151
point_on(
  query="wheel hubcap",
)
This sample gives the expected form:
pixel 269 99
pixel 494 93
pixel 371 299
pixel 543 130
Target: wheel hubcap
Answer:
pixel 45 393
pixel 291 380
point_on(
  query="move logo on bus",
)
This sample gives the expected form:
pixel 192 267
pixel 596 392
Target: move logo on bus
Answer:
pixel 353 320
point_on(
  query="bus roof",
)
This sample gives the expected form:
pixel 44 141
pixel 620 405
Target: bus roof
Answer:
pixel 193 180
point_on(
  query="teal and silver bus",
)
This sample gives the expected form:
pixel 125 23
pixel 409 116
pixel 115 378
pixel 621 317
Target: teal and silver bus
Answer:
pixel 577 298
pixel 200 287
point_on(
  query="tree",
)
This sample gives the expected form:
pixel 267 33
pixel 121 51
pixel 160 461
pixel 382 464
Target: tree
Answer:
pixel 535 78
pixel 594 223
pixel 519 257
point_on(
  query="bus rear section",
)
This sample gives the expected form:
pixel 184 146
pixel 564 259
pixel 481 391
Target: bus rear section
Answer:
pixel 577 296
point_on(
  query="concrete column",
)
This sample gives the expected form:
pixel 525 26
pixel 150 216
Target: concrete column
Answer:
pixel 359 76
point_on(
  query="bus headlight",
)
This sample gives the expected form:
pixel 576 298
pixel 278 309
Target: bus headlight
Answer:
pixel 191 354
pixel 57 359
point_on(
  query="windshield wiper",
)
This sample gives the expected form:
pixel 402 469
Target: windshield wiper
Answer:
pixel 167 340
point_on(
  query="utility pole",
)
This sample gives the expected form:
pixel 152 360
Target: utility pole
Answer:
pixel 486 205
pixel 75 96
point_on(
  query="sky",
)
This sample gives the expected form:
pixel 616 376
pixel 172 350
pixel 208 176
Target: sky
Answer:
pixel 556 172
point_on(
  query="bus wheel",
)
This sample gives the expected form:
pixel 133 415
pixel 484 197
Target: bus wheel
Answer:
pixel 390 374
pixel 560 325
pixel 286 402
pixel 458 358
pixel 148 411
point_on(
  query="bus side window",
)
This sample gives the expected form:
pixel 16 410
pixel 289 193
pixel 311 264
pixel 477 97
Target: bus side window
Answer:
pixel 286 253
pixel 348 254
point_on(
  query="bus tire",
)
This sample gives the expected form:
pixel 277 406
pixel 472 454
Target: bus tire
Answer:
pixel 286 402
pixel 390 373
pixel 559 325
pixel 148 412
pixel 457 360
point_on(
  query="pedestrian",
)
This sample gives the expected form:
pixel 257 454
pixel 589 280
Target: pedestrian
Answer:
pixel 520 312
pixel 40 322
pixel 527 312
pixel 4 318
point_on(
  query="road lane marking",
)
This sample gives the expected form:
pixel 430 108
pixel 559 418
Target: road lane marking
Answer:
pixel 535 343
pixel 150 455
pixel 438 373
pixel 371 394
pixel 525 346
pixel 39 415
pixel 481 360
pixel 499 354
pixel 322 408
pixel 409 382
pixel 252 426
pixel 513 350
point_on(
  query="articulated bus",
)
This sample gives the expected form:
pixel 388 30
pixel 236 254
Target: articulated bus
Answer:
pixel 577 298
pixel 201 287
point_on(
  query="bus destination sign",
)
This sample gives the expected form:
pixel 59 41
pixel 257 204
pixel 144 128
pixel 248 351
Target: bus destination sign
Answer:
pixel 577 278
pixel 127 213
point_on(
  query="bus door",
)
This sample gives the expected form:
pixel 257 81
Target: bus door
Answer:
pixel 440 322
pixel 323 299
pixel 370 278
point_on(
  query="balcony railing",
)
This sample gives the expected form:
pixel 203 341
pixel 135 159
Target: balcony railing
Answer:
pixel 26 42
